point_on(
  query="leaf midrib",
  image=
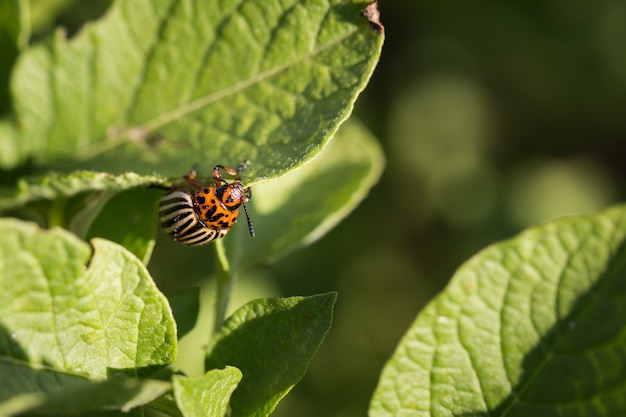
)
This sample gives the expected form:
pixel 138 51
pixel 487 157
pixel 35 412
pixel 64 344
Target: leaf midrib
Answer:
pixel 615 263
pixel 183 110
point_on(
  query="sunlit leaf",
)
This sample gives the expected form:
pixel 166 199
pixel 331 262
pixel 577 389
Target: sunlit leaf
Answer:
pixel 203 82
pixel 207 395
pixel 299 208
pixel 90 312
pixel 533 326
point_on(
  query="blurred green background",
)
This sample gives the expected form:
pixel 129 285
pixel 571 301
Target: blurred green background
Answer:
pixel 493 116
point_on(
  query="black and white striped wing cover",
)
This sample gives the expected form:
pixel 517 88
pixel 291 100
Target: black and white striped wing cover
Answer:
pixel 179 220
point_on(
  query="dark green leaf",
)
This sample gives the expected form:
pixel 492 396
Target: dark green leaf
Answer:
pixel 58 186
pixel 130 219
pixel 48 392
pixel 24 386
pixel 272 342
pixel 185 306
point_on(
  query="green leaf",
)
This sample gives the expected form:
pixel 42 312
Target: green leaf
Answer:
pixel 43 15
pixel 124 394
pixel 198 81
pixel 24 385
pixel 533 326
pixel 9 144
pixel 207 395
pixel 94 314
pixel 130 219
pixel 75 200
pixel 54 186
pixel 185 306
pixel 272 342
pixel 300 207
pixel 49 392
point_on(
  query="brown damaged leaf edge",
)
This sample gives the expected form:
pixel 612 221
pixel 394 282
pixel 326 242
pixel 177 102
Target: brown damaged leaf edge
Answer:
pixel 372 14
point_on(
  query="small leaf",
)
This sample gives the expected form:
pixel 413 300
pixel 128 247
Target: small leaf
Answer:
pixel 272 342
pixel 92 320
pixel 267 81
pixel 533 326
pixel 300 207
pixel 207 395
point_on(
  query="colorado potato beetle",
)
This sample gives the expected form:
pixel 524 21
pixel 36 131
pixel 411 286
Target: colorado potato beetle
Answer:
pixel 197 217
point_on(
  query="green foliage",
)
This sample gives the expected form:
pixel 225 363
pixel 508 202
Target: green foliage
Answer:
pixel 73 310
pixel 207 395
pixel 285 334
pixel 529 326
pixel 71 395
pixel 297 209
pixel 153 81
pixel 100 124
pixel 55 186
pixel 69 315
pixel 95 125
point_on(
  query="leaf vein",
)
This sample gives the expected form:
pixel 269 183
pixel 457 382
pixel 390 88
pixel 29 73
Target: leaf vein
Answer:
pixel 204 101
pixel 211 47
pixel 132 104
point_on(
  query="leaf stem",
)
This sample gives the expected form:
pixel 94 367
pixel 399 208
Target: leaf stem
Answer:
pixel 224 285
pixel 55 214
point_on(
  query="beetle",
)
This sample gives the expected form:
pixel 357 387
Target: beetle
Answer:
pixel 205 213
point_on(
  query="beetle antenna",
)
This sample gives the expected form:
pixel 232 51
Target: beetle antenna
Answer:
pixel 250 228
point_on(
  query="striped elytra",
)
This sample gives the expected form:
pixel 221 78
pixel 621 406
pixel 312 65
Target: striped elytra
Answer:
pixel 208 212
pixel 179 220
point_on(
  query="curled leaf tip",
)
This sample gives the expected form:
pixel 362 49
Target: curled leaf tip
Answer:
pixel 372 14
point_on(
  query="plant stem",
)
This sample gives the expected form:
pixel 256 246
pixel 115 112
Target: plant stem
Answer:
pixel 224 285
pixel 55 214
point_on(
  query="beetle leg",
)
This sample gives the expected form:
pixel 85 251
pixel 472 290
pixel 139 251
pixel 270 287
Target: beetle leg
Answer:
pixel 191 178
pixel 217 175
